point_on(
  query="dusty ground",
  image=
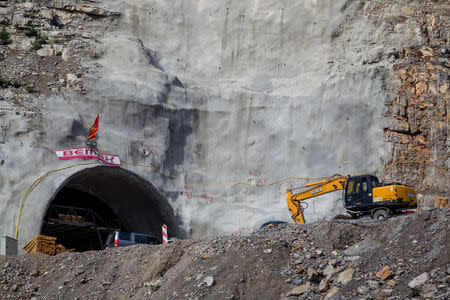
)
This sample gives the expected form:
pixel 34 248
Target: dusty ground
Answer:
pixel 323 260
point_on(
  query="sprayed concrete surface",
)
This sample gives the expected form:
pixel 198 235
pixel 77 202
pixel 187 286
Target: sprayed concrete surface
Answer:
pixel 223 98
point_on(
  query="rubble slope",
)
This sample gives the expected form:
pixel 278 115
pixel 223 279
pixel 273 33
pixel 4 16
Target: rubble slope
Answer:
pixel 401 258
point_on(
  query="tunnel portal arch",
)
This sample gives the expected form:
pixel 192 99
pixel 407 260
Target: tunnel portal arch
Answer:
pixel 94 201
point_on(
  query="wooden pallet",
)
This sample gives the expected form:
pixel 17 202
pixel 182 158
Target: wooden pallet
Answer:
pixel 442 202
pixel 60 249
pixel 41 243
pixel 45 244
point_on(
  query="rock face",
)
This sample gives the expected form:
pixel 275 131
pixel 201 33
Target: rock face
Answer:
pixel 224 99
pixel 418 127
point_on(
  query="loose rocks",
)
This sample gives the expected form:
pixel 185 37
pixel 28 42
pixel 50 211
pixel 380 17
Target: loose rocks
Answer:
pixel 346 276
pixel 419 280
pixel 298 290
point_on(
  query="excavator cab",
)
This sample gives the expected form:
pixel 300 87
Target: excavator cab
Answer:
pixel 358 191
pixel 365 194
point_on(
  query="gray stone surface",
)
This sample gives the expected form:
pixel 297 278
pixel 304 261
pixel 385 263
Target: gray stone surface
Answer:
pixel 257 105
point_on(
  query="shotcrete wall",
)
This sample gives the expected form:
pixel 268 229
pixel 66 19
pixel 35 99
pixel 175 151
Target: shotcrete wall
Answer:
pixel 239 92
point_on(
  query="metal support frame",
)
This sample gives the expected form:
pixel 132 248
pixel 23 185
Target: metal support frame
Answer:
pixel 77 217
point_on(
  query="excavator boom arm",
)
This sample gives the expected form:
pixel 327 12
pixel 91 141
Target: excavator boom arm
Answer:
pixel 337 182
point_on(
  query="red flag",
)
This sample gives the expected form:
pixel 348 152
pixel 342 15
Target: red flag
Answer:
pixel 94 129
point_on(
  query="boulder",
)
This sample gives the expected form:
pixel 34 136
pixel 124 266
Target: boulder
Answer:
pixel 298 290
pixel 312 274
pixel 324 285
pixel 346 276
pixel 329 271
pixel 428 291
pixel 419 280
pixel 384 273
pixel 362 289
pixel 332 292
pixel 47 50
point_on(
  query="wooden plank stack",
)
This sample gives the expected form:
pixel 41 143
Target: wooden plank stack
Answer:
pixel 41 243
pixel 45 244
pixel 60 249
pixel 71 218
pixel 442 202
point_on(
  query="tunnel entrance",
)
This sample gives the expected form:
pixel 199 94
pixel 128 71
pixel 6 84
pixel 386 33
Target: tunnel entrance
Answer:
pixel 96 201
pixel 79 220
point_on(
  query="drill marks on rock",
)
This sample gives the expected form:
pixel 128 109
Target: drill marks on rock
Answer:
pixel 281 27
pixel 346 146
pixel 134 20
pixel 225 27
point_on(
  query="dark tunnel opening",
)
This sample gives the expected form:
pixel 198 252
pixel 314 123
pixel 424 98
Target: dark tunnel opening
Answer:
pixel 96 201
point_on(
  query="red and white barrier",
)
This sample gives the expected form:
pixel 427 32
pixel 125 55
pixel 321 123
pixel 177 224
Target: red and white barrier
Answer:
pixel 116 239
pixel 164 234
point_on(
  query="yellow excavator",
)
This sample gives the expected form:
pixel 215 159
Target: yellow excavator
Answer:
pixel 362 195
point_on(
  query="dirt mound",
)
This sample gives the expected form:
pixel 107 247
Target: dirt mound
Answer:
pixel 403 257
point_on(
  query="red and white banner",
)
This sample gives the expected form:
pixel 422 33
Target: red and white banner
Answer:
pixel 88 153
pixel 164 234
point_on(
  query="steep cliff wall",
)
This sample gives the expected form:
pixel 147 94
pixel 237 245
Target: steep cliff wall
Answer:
pixel 225 98
pixel 409 43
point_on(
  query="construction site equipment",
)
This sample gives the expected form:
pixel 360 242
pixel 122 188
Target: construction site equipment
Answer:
pixel 362 195
pixel 272 223
pixel 123 238
pixel 8 246
pixel 45 244
pixel 61 219
pixel 164 234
